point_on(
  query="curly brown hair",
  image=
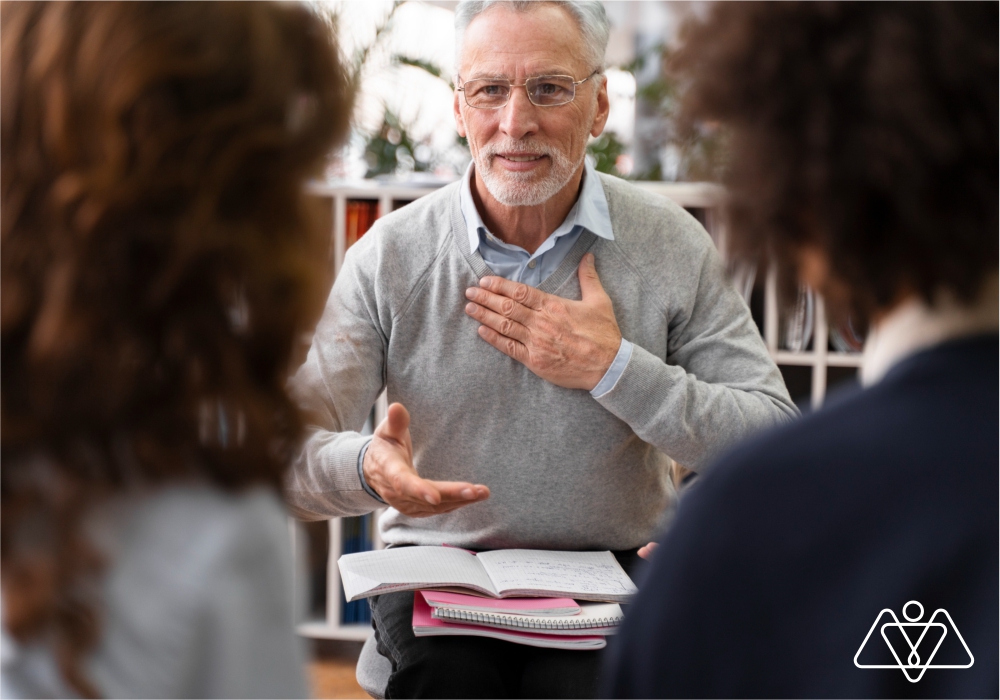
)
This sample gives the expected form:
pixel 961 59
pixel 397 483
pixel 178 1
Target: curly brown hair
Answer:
pixel 159 258
pixel 867 130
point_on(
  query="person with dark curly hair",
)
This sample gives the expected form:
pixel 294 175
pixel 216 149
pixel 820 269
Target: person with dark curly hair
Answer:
pixel 159 259
pixel 855 552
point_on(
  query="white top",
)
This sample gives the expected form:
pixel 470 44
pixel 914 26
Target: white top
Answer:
pixel 914 325
pixel 197 602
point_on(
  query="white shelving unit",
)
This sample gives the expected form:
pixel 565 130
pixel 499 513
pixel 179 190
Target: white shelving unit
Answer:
pixel 330 627
pixel 819 358
pixel 689 195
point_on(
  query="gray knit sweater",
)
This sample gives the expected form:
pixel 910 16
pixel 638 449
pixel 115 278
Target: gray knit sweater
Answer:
pixel 565 470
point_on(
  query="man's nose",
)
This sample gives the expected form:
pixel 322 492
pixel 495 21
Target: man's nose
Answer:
pixel 518 118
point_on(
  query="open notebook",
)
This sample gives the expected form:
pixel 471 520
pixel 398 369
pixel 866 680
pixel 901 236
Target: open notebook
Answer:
pixel 424 625
pixel 502 573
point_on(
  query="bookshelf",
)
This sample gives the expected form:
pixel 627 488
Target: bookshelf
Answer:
pixel 384 198
pixel 808 372
pixel 329 623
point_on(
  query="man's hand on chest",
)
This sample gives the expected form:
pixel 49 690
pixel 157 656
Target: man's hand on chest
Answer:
pixel 568 343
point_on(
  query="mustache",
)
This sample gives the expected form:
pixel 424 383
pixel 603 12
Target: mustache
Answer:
pixel 515 146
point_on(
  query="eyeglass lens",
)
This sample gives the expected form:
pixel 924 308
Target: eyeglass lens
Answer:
pixel 543 91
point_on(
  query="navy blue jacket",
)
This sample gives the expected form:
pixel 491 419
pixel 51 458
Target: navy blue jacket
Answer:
pixel 785 554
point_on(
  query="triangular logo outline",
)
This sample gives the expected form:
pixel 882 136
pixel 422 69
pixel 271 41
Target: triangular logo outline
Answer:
pixel 913 658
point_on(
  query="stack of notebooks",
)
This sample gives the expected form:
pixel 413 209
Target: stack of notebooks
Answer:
pixel 559 623
pixel 524 596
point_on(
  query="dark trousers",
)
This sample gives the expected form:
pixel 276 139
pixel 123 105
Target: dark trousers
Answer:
pixel 478 667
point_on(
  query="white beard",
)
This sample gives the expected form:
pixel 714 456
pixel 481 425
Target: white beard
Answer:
pixel 514 189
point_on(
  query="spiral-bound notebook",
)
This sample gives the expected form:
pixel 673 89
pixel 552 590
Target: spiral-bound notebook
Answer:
pixel 504 606
pixel 424 625
pixel 593 618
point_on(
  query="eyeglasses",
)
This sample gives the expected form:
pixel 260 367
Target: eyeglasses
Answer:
pixel 543 91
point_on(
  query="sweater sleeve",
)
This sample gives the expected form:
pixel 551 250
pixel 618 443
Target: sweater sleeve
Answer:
pixel 716 384
pixel 336 388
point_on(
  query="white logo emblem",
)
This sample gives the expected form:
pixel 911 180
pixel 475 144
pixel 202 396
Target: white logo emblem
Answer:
pixel 913 632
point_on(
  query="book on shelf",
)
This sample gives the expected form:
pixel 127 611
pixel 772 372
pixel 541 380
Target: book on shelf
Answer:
pixel 425 625
pixel 361 214
pixel 799 321
pixel 743 275
pixel 501 573
pixel 509 606
pixel 844 337
pixel 592 618
pixel 356 536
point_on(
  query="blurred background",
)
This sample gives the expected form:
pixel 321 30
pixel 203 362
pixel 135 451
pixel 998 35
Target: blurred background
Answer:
pixel 402 53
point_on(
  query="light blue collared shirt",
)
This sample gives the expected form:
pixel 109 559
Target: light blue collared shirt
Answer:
pixel 518 265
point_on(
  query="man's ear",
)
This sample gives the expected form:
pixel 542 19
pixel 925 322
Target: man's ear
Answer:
pixel 603 107
pixel 459 121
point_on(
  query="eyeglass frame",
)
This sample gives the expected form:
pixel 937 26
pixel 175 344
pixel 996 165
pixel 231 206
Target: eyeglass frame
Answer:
pixel 597 71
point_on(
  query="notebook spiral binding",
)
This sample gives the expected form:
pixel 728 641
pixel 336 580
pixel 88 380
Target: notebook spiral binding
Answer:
pixel 521 622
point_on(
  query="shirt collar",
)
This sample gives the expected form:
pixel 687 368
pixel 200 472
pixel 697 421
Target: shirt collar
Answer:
pixel 590 210
pixel 914 325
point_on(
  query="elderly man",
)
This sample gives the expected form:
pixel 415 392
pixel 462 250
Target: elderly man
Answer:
pixel 554 334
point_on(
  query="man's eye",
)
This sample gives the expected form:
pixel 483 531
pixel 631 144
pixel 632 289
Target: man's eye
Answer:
pixel 490 90
pixel 552 89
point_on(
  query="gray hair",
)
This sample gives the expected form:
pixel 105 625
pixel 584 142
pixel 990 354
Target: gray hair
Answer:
pixel 589 15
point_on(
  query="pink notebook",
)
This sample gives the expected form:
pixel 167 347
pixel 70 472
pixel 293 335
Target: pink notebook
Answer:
pixel 509 606
pixel 426 626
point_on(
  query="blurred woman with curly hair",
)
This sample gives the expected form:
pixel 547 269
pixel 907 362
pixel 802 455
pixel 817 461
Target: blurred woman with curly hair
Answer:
pixel 863 160
pixel 159 259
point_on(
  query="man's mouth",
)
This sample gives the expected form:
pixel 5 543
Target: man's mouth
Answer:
pixel 523 158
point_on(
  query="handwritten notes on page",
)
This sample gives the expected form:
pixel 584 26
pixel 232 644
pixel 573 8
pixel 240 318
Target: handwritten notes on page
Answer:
pixel 584 575
pixel 502 573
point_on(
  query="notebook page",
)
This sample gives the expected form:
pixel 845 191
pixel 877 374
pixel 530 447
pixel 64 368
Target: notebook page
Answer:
pixel 593 575
pixel 404 568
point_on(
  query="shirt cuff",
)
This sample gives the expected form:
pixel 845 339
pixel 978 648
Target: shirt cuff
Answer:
pixel 361 474
pixel 610 377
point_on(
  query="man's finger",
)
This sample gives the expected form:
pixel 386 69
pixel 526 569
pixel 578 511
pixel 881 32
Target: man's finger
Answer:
pixel 406 483
pixel 499 304
pixel 461 491
pixel 508 346
pixel 501 324
pixel 443 507
pixel 397 423
pixel 590 283
pixel 521 293
pixel 454 495
pixel 424 511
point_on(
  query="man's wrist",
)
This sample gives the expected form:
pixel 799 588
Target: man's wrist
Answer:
pixel 361 473
pixel 615 371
